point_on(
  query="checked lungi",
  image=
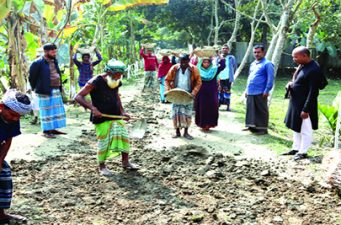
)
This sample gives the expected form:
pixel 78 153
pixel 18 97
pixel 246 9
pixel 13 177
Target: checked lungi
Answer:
pixel 113 139
pixel 182 115
pixel 6 186
pixel 149 77
pixel 51 111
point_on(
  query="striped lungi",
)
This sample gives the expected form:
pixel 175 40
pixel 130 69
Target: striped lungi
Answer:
pixel 113 139
pixel 6 186
pixel 52 112
pixel 149 77
pixel 182 115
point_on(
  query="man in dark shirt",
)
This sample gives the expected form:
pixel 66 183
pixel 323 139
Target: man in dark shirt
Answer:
pixel 45 80
pixel 13 105
pixel 302 114
pixel 111 133
pixel 86 67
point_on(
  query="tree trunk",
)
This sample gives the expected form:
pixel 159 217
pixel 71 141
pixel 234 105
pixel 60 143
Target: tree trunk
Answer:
pixel 313 27
pixel 254 27
pixel 282 32
pixel 16 51
pixel 132 39
pixel 211 26
pixel 272 46
pixel 233 37
pixel 216 28
pixel 72 74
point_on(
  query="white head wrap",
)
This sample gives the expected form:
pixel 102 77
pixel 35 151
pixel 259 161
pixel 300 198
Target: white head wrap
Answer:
pixel 11 101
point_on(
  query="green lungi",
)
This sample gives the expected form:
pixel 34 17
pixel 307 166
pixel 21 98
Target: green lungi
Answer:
pixel 112 139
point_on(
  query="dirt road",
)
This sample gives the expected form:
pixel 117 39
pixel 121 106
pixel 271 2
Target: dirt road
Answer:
pixel 219 178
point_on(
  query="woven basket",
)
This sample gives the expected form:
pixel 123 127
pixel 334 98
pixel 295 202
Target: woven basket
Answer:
pixel 177 53
pixel 86 50
pixel 165 52
pixel 205 52
pixel 148 45
pixel 179 96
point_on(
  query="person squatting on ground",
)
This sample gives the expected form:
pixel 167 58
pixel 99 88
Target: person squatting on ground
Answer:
pixel 45 80
pixel 13 105
pixel 226 78
pixel 302 114
pixel 150 67
pixel 86 67
pixel 112 136
pixel 184 76
pixel 206 102
pixel 164 67
pixel 259 84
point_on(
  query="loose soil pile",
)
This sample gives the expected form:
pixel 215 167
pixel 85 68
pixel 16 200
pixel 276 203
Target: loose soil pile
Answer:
pixel 179 185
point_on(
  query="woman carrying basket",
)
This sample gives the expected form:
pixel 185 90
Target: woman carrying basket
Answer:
pixel 207 103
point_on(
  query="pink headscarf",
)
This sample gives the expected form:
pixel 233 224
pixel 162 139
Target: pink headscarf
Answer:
pixel 164 67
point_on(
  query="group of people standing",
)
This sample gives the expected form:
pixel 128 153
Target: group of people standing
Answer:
pixel 209 84
pixel 209 81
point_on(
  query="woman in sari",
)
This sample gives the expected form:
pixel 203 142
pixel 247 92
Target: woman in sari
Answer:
pixel 207 103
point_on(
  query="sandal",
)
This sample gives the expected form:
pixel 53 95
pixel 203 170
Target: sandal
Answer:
pixel 49 135
pixel 188 137
pixel 131 166
pixel 13 218
pixel 176 136
pixel 56 132
pixel 105 172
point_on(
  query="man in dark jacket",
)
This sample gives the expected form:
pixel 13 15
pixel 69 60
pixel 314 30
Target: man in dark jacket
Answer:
pixel 45 80
pixel 302 115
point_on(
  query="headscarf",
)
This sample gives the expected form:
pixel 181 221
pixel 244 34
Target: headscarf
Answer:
pixel 164 66
pixel 17 102
pixel 115 66
pixel 208 73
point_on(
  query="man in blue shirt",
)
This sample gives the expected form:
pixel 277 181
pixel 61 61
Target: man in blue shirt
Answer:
pixel 259 84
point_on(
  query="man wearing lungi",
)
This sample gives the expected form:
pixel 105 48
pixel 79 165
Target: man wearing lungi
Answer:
pixel 150 66
pixel 45 79
pixel 13 105
pixel 259 84
pixel 226 77
pixel 185 76
pixel 112 136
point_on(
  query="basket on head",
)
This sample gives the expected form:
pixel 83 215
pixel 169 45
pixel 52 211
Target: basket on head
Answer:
pixel 86 50
pixel 179 96
pixel 205 52
pixel 149 45
pixel 165 52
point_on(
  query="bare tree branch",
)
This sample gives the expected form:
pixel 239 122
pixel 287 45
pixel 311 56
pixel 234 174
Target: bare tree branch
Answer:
pixel 266 16
pixel 242 13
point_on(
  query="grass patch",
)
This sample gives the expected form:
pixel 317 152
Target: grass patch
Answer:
pixel 280 138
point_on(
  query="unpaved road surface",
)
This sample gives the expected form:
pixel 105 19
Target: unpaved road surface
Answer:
pixel 219 178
